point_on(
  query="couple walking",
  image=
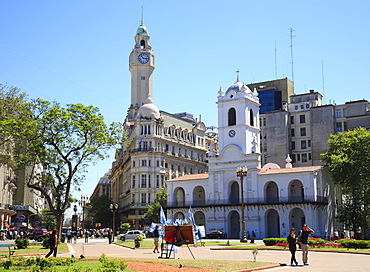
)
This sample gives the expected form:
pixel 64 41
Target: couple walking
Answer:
pixel 302 240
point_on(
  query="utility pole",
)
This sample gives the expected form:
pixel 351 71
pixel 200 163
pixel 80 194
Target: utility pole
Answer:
pixel 291 51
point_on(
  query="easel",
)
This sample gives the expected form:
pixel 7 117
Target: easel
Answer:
pixel 176 232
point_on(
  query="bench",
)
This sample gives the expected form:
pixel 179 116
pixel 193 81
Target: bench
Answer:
pixel 9 252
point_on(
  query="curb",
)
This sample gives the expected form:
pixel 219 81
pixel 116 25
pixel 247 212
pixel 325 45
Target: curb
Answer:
pixel 258 268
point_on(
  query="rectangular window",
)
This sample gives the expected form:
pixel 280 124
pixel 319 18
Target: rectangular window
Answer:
pixel 307 106
pixel 185 170
pixel 292 134
pixel 309 156
pixel 143 78
pixel 133 182
pixel 162 180
pixel 344 126
pixel 133 198
pixel 302 118
pixel 338 126
pixel 302 107
pixel 143 163
pixel 338 113
pixel 158 164
pixel 143 181
pixel 296 107
pixel 309 143
pixel 149 163
pixel 191 170
pixel 143 198
pixel 133 164
pixel 264 122
pixel 344 112
pixel 303 131
pixel 304 157
pixel 293 145
pixel 298 157
pixel 303 144
pixel 293 158
pixel 149 182
pixel 292 119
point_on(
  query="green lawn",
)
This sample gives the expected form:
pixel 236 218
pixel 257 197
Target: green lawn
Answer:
pixel 37 249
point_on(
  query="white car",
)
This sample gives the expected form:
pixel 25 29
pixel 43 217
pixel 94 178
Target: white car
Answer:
pixel 131 234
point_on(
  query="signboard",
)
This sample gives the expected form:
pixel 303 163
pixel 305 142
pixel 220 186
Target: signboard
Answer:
pixel 180 232
pixel 21 217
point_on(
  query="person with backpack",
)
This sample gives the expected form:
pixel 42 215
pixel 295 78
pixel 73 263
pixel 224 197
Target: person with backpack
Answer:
pixel 303 241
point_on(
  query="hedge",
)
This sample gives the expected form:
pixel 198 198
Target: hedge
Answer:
pixel 354 243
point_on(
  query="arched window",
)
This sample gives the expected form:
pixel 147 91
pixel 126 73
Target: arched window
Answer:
pixel 142 44
pixel 251 119
pixel 232 117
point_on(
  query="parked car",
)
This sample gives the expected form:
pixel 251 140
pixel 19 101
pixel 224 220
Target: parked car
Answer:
pixel 131 234
pixel 216 234
pixel 38 235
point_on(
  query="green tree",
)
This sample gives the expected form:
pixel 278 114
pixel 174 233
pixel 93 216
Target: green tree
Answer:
pixel 47 221
pixel 159 201
pixel 348 157
pixel 99 211
pixel 15 121
pixel 64 140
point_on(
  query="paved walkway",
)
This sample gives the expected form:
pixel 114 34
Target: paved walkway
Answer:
pixel 319 261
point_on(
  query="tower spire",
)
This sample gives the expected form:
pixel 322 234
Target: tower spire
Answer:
pixel 237 75
pixel 142 15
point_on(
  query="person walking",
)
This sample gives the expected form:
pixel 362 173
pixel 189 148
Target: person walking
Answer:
pixel 303 241
pixel 156 239
pixel 53 243
pixel 86 234
pixel 292 242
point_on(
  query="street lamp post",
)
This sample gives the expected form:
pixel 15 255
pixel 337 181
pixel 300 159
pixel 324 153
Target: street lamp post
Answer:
pixel 113 209
pixel 84 202
pixel 241 172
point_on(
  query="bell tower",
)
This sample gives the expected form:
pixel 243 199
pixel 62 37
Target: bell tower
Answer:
pixel 141 65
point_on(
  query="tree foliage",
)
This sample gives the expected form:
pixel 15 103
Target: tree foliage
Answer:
pixel 15 121
pixel 64 141
pixel 349 160
pixel 159 201
pixel 99 212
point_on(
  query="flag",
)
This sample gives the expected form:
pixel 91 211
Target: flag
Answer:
pixel 162 217
pixel 191 216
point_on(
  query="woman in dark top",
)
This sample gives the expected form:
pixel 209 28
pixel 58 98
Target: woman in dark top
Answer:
pixel 292 242
pixel 53 242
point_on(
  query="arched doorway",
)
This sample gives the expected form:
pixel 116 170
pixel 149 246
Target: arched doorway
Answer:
pixel 296 191
pixel 199 196
pixel 234 225
pixel 272 223
pixel 234 193
pixel 297 219
pixel 179 217
pixel 272 192
pixel 200 219
pixel 180 197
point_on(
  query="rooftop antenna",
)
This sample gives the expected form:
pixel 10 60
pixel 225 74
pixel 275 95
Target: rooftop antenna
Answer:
pixel 237 75
pixel 275 62
pixel 291 51
pixel 323 83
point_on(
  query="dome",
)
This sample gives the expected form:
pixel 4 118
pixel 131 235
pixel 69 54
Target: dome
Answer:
pixel 142 30
pixel 149 110
pixel 238 87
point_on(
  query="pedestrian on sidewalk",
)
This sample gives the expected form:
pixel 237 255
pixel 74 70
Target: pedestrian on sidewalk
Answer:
pixel 303 241
pixel 292 242
pixel 53 243
pixel 156 239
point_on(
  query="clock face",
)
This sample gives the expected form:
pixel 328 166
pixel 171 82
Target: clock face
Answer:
pixel 232 133
pixel 143 58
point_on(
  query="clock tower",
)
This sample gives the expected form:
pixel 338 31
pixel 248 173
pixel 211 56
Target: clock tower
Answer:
pixel 238 118
pixel 141 65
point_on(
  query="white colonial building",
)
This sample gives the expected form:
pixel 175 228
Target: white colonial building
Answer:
pixel 275 198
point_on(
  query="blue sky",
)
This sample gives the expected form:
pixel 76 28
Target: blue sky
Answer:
pixel 77 51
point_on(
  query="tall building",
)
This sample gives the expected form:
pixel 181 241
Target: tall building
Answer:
pixel 160 145
pixel 269 199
